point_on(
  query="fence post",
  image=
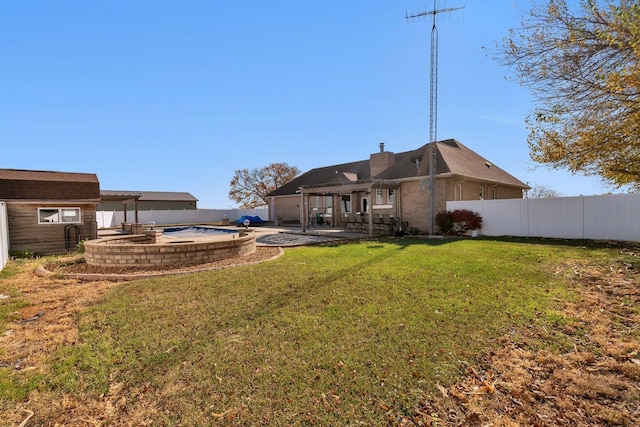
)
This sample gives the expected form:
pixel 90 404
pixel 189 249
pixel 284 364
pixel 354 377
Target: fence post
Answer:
pixel 582 213
pixel 4 235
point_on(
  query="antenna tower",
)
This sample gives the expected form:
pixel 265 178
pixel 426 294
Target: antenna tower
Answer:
pixel 433 106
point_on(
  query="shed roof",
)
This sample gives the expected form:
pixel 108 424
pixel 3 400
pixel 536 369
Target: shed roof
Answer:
pixel 48 185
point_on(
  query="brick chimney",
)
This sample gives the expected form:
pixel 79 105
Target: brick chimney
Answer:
pixel 381 161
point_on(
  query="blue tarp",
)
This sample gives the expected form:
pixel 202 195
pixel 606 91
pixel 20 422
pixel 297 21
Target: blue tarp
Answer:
pixel 253 220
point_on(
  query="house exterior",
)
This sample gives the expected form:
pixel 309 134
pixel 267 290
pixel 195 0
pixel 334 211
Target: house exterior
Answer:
pixel 146 200
pixel 49 212
pixel 391 186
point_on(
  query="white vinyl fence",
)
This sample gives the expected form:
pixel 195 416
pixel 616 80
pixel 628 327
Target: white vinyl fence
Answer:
pixel 108 219
pixel 608 217
pixel 4 235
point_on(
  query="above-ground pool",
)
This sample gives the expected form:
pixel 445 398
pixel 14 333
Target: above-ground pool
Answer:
pixel 170 246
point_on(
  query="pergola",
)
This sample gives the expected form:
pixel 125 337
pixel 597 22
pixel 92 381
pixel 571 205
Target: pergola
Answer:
pixel 126 199
pixel 339 190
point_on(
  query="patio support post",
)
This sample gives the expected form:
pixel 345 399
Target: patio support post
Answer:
pixel 303 212
pixel 371 196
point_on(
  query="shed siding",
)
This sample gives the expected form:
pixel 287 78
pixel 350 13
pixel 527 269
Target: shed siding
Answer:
pixel 45 239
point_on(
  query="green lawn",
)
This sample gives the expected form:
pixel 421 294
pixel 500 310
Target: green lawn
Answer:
pixel 332 335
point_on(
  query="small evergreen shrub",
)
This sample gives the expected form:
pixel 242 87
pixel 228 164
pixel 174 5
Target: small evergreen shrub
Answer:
pixel 414 231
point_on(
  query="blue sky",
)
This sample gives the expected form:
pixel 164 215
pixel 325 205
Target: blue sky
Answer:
pixel 177 95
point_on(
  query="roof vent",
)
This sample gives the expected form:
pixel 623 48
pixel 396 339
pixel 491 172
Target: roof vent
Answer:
pixel 416 158
pixel 382 147
pixel 487 164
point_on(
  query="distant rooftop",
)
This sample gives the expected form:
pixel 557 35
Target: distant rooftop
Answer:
pixel 173 196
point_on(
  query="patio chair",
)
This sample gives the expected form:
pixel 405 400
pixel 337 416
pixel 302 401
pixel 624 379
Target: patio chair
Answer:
pixel 378 223
pixel 390 223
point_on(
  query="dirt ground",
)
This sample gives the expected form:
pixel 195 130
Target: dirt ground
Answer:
pixel 594 381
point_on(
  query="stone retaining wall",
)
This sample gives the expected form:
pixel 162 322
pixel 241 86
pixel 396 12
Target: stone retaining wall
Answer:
pixel 138 250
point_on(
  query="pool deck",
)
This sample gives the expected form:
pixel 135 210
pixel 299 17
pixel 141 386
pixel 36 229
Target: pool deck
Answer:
pixel 293 236
pixel 283 236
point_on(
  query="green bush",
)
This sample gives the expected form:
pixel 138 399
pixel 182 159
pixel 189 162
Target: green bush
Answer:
pixel 80 245
pixel 24 253
pixel 458 221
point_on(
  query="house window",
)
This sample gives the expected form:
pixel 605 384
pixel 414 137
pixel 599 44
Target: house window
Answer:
pixel 459 191
pixel 318 202
pixel 493 193
pixel 59 216
pixel 379 196
pixel 328 203
pixel 346 204
pixel 391 196
pixel 481 193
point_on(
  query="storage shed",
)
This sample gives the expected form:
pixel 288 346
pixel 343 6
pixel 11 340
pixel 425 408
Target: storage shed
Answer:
pixel 49 212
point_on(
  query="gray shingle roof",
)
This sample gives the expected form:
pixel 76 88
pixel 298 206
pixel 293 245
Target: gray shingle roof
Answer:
pixel 453 158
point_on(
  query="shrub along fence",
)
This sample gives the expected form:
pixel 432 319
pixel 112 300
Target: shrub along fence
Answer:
pixel 108 219
pixel 608 217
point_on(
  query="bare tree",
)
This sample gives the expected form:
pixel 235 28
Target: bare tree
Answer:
pixel 582 62
pixel 249 187
pixel 541 191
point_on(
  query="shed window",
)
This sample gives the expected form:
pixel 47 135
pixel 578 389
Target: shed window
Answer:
pixel 59 216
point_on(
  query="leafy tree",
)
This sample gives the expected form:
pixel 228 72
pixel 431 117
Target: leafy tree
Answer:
pixel 541 191
pixel 582 63
pixel 250 187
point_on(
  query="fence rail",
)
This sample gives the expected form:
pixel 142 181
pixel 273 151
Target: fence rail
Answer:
pixel 109 219
pixel 608 217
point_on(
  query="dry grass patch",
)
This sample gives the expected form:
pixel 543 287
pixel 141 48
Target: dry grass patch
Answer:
pixel 523 382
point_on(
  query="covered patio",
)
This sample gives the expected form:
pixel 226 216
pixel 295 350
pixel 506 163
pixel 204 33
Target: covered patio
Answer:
pixel 350 206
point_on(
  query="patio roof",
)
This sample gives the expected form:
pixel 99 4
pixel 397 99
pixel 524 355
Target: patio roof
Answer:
pixel 326 189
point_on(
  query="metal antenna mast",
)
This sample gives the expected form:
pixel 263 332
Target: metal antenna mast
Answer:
pixel 433 107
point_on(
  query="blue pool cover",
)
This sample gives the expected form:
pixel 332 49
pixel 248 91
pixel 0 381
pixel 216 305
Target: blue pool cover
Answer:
pixel 253 220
